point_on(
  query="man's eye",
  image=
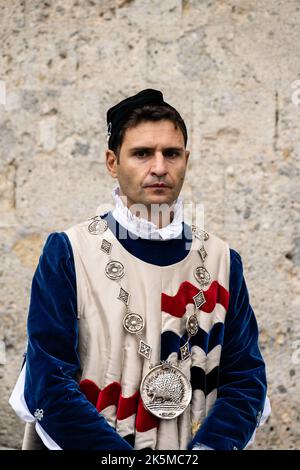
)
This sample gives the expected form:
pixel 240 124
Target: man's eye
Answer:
pixel 141 153
pixel 171 153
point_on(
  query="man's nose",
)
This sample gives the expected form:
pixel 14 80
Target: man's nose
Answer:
pixel 159 165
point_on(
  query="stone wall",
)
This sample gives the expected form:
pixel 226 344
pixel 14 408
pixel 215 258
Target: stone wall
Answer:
pixel 232 68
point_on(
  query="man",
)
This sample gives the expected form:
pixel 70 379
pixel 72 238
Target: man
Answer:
pixel 140 332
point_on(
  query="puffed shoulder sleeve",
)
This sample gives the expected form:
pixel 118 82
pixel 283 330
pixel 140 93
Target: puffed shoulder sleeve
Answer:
pixel 64 418
pixel 242 376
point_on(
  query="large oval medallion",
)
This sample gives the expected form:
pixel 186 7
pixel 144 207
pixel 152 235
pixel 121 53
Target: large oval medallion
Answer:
pixel 166 392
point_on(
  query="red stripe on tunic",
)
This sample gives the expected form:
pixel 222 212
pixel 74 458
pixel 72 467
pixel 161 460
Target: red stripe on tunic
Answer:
pixel 109 396
pixel 176 305
pixel 90 390
pixel 128 406
pixel 144 419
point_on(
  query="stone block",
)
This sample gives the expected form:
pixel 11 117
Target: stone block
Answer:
pixel 52 194
pixel 232 70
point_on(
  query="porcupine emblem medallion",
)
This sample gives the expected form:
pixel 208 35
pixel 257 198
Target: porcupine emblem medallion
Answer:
pixel 166 391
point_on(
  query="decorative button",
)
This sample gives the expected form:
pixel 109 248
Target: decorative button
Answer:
pixel 202 275
pixel 201 234
pixel 192 325
pixel 133 323
pixel 98 226
pixel 114 270
pixel 39 414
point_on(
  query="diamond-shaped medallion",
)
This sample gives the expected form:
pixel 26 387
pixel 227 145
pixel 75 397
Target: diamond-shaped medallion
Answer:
pixel 124 296
pixel 145 350
pixel 184 351
pixel 106 246
pixel 199 299
pixel 203 253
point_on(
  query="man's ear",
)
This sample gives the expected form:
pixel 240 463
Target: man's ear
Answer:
pixel 187 154
pixel 111 163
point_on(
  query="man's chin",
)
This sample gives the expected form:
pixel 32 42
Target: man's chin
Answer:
pixel 160 199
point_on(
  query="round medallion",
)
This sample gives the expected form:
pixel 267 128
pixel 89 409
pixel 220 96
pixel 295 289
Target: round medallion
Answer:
pixel 192 325
pixel 166 392
pixel 114 270
pixel 202 275
pixel 97 227
pixel 133 323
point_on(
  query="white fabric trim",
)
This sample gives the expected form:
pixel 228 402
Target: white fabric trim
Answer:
pixel 201 447
pixel 142 227
pixel 47 440
pixel 265 414
pixel 18 403
pixel 266 411
pixel 17 399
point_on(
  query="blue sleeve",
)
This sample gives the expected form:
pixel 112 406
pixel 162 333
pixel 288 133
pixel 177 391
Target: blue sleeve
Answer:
pixel 242 378
pixel 52 360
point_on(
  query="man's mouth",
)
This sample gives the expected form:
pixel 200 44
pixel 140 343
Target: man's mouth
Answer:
pixel 158 185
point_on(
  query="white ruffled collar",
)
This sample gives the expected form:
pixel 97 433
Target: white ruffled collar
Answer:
pixel 142 227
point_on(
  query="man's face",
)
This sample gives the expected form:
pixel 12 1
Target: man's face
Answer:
pixel 151 153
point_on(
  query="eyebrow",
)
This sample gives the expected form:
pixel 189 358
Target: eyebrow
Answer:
pixel 143 148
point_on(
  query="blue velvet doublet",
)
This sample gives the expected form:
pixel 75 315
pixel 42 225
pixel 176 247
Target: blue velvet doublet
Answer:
pixel 52 360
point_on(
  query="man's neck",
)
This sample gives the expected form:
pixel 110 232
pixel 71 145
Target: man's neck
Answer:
pixel 157 216
pixel 160 215
pixel 165 225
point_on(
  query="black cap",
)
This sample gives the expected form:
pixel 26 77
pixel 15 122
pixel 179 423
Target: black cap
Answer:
pixel 118 115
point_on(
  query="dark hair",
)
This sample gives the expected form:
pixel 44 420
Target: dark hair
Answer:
pixel 149 113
